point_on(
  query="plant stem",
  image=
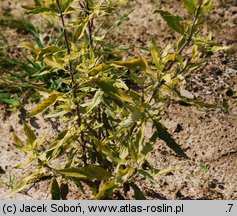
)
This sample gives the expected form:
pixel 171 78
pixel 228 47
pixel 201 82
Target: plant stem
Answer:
pixel 86 7
pixel 191 30
pixel 187 42
pixel 72 69
pixel 73 86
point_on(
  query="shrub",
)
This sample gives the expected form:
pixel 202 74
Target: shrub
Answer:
pixel 109 103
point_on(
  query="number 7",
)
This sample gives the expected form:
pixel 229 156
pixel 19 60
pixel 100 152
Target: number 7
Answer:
pixel 230 207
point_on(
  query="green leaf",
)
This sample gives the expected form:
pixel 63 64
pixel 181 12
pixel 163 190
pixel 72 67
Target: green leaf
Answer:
pixel 198 103
pixel 29 6
pixel 37 3
pixel 207 6
pixel 95 101
pixel 53 62
pixel 56 113
pixel 181 42
pixel 44 105
pixel 59 144
pixel 48 51
pixel 174 22
pixel 99 68
pixel 191 6
pixel 20 145
pixel 13 102
pixel 40 10
pixel 17 140
pixel 55 190
pixel 103 149
pixel 23 182
pixel 80 30
pixel 106 189
pixel 137 192
pixel 29 134
pixel 32 7
pixel 136 144
pixel 150 144
pixel 155 54
pixel 107 86
pixel 139 141
pixel 30 46
pixel 123 152
pixel 89 173
pixel 164 135
pixel 131 64
pixel 64 191
pixel 123 175
pixel 65 4
pixel 29 161
pixel 121 84
pixel 59 140
pixel 148 176
pixel 131 119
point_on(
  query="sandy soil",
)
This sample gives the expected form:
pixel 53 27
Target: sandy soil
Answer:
pixel 209 137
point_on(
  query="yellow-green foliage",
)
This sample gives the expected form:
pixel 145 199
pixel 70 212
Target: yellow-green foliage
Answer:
pixel 110 102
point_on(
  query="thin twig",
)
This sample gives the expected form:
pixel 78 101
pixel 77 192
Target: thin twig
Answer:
pixel 86 7
pixel 72 69
pixel 187 42
pixel 73 86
